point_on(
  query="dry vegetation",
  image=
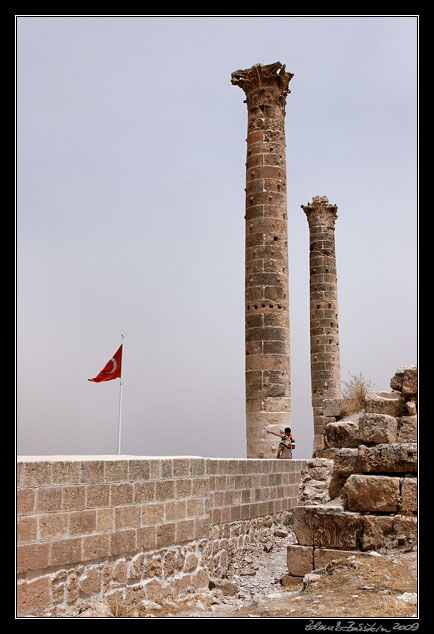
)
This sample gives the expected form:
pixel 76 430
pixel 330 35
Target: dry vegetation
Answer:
pixel 355 391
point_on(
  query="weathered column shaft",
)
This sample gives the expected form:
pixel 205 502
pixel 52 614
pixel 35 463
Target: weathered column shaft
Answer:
pixel 266 258
pixel 324 328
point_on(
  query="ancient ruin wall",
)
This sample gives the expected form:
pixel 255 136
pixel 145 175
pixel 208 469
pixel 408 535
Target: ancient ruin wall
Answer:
pixel 129 528
pixel 268 385
pixel 366 498
pixel 324 328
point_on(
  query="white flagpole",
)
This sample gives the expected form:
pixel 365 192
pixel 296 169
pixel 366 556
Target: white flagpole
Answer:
pixel 120 400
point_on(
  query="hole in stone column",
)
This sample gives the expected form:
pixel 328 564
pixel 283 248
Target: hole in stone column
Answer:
pixel 263 305
pixel 318 306
pixel 275 238
pixel 326 270
pixel 332 324
pixel 256 307
pixel 279 307
pixel 248 307
pixel 317 340
pixel 271 305
pixel 247 354
pixel 270 198
pixel 330 340
pixel 330 305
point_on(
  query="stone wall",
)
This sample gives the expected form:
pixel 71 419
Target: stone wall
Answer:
pixel 372 490
pixel 129 528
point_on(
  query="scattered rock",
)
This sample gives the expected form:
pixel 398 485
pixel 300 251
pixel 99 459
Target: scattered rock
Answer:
pixel 281 533
pixel 227 587
pixel 95 610
pixel 408 597
pixel 310 579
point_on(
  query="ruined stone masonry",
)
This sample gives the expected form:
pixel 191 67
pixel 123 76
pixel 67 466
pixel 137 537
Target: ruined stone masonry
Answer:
pixel 365 498
pixel 122 529
pixel 268 385
pixel 324 328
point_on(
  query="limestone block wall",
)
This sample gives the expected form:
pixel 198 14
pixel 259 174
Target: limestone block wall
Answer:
pixel 373 489
pixel 129 528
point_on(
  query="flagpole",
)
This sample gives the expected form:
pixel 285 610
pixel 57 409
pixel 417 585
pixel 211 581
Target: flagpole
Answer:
pixel 120 400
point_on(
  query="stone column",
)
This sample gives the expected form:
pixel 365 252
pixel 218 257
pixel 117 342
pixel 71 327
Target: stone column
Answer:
pixel 324 329
pixel 266 258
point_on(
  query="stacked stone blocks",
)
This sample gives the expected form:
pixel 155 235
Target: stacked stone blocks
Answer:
pixel 373 493
pixel 129 528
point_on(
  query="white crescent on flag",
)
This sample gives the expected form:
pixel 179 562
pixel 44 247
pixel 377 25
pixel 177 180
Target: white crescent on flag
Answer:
pixel 115 365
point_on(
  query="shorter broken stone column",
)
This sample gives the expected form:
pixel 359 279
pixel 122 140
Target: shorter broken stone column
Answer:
pixel 324 329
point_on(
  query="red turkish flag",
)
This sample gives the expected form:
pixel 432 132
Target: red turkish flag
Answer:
pixel 112 369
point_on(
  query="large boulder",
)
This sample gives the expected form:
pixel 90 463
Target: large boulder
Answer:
pixel 405 380
pixel 373 493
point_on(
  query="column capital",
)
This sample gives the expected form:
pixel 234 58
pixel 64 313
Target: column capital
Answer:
pixel 261 80
pixel 319 209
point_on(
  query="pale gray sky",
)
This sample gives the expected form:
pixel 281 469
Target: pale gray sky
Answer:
pixel 130 218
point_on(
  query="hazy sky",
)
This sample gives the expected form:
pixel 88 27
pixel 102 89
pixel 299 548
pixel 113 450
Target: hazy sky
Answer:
pixel 130 218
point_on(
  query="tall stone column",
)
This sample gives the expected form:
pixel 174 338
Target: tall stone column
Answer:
pixel 268 391
pixel 324 328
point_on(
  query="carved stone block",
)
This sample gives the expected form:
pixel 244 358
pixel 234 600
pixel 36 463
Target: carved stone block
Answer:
pixel 326 526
